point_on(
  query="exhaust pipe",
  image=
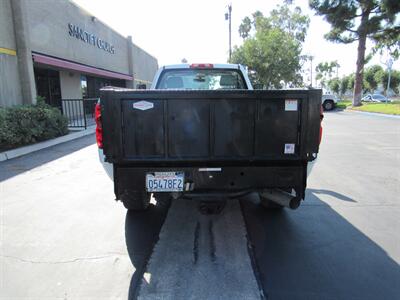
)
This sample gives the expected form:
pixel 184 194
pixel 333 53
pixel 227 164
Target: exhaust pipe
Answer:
pixel 282 198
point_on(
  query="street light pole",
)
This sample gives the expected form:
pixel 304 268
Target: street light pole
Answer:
pixel 389 64
pixel 228 16
pixel 311 59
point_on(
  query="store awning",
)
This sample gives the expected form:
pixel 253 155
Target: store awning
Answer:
pixel 57 62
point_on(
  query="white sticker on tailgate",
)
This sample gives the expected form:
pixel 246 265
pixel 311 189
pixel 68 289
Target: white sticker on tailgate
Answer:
pixel 143 105
pixel 291 105
pixel 289 148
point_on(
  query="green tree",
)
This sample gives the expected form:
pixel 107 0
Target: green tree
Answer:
pixel 370 82
pixel 272 46
pixel 352 81
pixel 382 77
pixel 358 20
pixel 334 85
pixel 291 21
pixel 245 27
pixel 324 72
pixel 344 85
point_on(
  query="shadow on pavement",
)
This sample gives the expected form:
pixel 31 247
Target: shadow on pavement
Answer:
pixel 141 234
pixel 314 253
pixel 19 165
pixel 333 194
pixel 337 108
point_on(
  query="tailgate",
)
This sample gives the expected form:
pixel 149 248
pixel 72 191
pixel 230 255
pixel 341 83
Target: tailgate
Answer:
pixel 210 125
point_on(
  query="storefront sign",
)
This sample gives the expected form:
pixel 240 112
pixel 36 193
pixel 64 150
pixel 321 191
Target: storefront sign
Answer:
pixel 87 37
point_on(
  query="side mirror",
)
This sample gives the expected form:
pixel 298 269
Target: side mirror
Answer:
pixel 141 86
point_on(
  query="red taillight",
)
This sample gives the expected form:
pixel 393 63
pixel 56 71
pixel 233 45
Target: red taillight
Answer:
pixel 320 126
pixel 202 66
pixel 99 128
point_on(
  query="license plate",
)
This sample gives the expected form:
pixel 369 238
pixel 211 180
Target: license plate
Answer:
pixel 165 182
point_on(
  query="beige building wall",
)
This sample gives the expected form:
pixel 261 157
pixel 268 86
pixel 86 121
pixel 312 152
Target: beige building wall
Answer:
pixel 144 66
pixel 44 26
pixel 7 39
pixel 49 34
pixel 70 83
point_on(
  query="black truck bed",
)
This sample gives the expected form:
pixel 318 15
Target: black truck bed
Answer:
pixel 197 127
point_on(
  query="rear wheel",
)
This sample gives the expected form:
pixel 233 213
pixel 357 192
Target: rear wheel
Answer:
pixel 328 105
pixel 134 200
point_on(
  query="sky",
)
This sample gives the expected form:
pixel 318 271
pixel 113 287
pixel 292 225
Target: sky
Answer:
pixel 197 30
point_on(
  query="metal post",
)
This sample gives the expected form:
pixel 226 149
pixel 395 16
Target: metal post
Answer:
pixel 84 112
pixel 228 16
pixel 130 83
pixel 230 31
pixel 390 62
pixel 311 59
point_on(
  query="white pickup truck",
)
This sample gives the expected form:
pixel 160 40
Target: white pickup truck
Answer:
pixel 203 131
pixel 329 101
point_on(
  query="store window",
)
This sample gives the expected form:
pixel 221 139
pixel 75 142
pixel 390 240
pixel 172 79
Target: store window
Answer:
pixel 94 84
pixel 48 85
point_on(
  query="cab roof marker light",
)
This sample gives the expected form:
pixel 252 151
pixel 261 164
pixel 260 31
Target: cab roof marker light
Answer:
pixel 201 66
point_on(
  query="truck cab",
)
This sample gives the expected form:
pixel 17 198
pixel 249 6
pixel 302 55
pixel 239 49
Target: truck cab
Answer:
pixel 186 72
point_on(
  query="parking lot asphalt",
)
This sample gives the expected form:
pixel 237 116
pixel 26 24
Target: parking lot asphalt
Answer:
pixel 344 240
pixel 201 256
pixel 63 235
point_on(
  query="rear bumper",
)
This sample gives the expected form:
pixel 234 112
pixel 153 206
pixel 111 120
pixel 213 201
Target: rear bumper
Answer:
pixel 228 180
pixel 107 166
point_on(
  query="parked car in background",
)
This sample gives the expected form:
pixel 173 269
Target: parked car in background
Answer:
pixel 329 101
pixel 375 98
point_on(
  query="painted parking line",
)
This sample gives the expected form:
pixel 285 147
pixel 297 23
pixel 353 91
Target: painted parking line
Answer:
pixel 374 114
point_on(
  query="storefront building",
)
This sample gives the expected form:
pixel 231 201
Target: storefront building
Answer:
pixel 57 50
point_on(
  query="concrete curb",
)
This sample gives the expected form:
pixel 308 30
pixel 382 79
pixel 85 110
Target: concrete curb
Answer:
pixel 10 154
pixel 374 114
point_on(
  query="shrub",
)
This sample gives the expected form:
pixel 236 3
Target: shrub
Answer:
pixel 27 124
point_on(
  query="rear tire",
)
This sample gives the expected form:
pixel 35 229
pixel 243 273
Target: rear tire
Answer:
pixel 328 105
pixel 268 204
pixel 134 200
